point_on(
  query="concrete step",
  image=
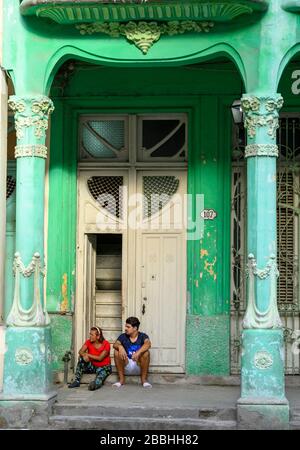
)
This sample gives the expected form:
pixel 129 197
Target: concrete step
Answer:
pixel 108 274
pixel 109 323
pixel 113 285
pixel 78 409
pixel 109 261
pixel 295 415
pixel 153 378
pixel 161 378
pixel 167 378
pixel 295 425
pixel 136 423
pixel 109 310
pixel 109 297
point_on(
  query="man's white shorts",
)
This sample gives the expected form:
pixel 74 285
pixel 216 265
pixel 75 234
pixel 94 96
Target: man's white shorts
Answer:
pixel 132 368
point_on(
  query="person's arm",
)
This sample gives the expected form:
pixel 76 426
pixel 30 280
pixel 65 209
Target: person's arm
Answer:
pixel 119 347
pixel 83 350
pixel 83 353
pixel 144 348
pixel 99 358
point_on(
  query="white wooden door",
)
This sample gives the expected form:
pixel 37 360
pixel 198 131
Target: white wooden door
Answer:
pixel 161 268
pixel 90 280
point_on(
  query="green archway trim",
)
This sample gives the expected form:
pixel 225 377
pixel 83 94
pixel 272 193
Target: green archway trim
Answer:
pixel 70 52
pixel 291 5
pixel 285 61
pixel 67 12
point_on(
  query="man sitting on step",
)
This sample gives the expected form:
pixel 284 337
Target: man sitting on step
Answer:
pixel 132 356
pixel 94 357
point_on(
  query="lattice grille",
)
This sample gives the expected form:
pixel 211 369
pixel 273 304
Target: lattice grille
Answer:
pixel 10 186
pixel 104 139
pixel 158 190
pixel 286 238
pixel 108 192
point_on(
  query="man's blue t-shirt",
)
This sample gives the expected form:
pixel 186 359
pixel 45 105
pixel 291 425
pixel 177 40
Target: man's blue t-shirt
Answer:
pixel 132 347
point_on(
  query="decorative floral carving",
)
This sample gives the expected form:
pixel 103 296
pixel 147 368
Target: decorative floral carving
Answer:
pixel 263 360
pixel 35 315
pixel 31 112
pixel 23 356
pixel 39 151
pixel 261 112
pixel 144 34
pixel 261 150
pixel 254 318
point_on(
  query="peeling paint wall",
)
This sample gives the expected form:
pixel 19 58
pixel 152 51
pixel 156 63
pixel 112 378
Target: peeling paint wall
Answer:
pixel 209 257
pixel 61 329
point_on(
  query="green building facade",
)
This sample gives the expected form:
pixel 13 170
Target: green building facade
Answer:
pixel 105 94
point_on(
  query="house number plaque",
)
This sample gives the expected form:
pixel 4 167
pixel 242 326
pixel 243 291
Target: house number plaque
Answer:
pixel 208 214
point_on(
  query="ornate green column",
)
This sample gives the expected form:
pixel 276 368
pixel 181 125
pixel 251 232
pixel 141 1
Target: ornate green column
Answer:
pixel 263 403
pixel 27 363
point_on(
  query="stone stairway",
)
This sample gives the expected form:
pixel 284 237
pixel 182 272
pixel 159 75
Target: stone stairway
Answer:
pixel 295 419
pixel 84 416
pixel 163 407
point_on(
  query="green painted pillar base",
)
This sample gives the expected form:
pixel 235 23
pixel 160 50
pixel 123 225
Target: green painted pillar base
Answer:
pixel 263 416
pixel 27 364
pixel 263 404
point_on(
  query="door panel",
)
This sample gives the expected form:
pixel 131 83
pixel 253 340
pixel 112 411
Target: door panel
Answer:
pixel 161 270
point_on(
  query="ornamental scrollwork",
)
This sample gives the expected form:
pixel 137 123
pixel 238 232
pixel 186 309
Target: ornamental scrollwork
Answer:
pixel 261 150
pixel 254 318
pixel 39 151
pixel 34 315
pixel 31 112
pixel 261 112
pixel 144 34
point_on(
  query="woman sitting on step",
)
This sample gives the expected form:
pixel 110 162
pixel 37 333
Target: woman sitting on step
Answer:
pixel 94 357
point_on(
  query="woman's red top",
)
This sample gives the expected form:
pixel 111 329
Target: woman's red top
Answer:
pixel 92 350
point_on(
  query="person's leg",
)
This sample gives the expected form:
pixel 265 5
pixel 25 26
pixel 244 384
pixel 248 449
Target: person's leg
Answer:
pixel 120 365
pixel 144 362
pixel 82 367
pixel 101 374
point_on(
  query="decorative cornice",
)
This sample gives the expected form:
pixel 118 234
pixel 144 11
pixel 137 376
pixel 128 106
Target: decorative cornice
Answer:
pixel 31 112
pixel 254 318
pixel 261 150
pixel 35 315
pixel 39 151
pixel 261 112
pixel 88 11
pixel 144 34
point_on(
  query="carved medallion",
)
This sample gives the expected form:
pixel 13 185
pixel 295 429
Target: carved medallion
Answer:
pixel 23 356
pixel 263 360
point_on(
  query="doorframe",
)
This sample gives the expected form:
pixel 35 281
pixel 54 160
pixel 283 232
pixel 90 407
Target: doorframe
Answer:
pixel 129 302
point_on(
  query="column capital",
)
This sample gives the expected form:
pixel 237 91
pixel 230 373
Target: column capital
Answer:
pixel 261 114
pixel 31 117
